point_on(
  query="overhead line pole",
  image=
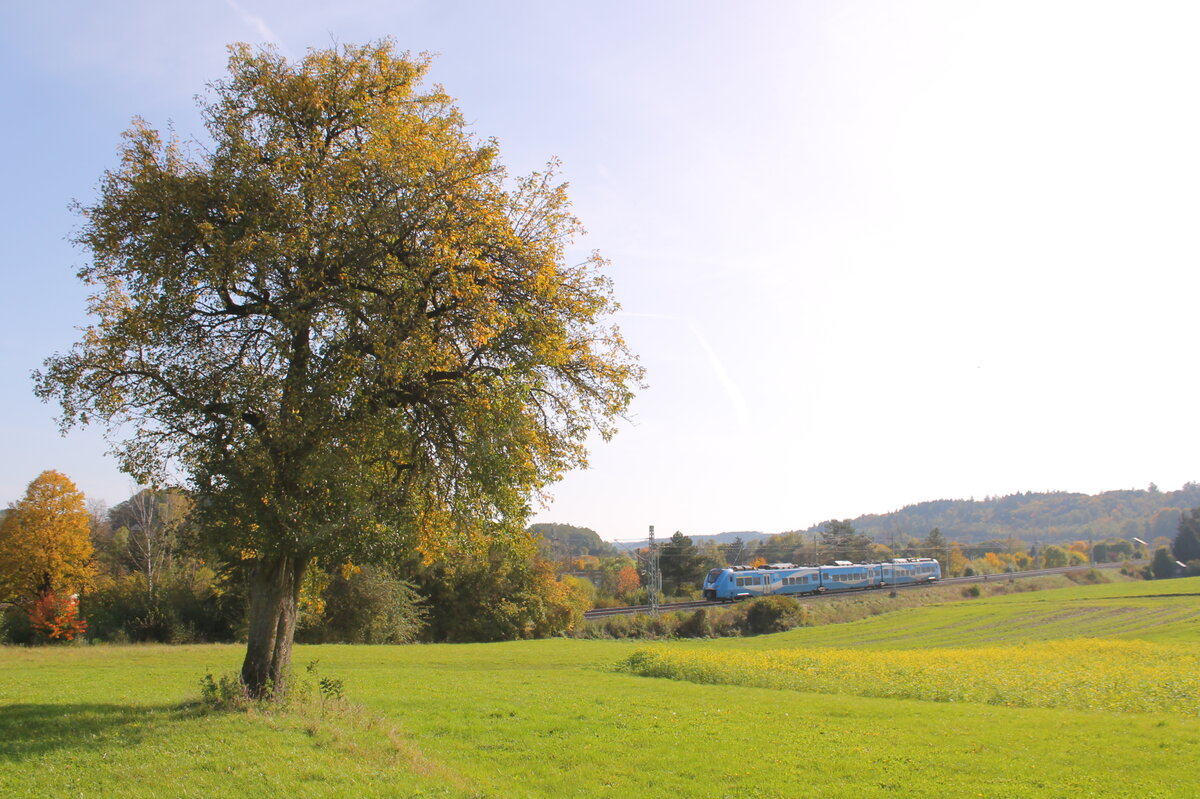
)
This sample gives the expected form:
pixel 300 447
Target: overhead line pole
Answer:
pixel 654 577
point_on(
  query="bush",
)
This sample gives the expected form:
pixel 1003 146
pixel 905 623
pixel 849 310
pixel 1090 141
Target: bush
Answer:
pixel 1162 566
pixel 184 610
pixel 16 627
pixel 1089 577
pixel 773 614
pixel 367 605
pixel 696 625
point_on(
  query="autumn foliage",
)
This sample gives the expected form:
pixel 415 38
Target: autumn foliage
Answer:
pixel 45 547
pixel 58 620
pixel 347 325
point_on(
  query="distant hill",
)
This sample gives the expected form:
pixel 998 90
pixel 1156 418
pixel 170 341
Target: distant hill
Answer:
pixel 1050 517
pixel 718 538
pixel 569 540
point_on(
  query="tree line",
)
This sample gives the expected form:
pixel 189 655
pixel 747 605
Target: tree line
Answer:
pixel 143 570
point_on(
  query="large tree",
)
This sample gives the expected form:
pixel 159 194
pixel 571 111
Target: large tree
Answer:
pixel 344 323
pixel 1186 546
pixel 681 563
pixel 149 523
pixel 840 541
pixel 45 543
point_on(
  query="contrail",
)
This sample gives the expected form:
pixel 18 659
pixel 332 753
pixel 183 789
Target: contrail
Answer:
pixel 741 410
pixel 255 21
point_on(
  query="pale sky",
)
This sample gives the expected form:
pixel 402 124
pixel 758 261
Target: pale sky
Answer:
pixel 870 253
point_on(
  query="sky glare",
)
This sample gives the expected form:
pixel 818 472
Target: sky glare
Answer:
pixel 870 253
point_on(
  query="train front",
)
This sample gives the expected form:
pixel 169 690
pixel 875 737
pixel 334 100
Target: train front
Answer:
pixel 712 583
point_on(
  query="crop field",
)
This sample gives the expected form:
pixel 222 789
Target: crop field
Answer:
pixel 1084 674
pixel 1080 692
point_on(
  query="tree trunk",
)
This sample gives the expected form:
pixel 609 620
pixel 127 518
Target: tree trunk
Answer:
pixel 274 594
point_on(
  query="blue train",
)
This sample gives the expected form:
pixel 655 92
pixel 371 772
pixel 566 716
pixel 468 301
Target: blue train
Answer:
pixel 741 582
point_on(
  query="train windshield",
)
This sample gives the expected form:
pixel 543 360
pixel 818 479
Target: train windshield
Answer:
pixel 712 576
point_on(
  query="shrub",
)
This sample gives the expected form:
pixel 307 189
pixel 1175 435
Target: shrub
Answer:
pixel 1089 577
pixel 367 605
pixel 226 692
pixel 57 619
pixel 16 626
pixel 696 625
pixel 185 609
pixel 773 614
pixel 1162 565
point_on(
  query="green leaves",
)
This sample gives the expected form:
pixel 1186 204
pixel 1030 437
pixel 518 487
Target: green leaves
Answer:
pixel 340 319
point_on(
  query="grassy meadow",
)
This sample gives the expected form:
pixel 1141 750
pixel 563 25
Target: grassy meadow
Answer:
pixel 1084 691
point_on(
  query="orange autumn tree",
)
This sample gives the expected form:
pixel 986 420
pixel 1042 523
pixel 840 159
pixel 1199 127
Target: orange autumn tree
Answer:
pixel 343 321
pixel 627 581
pixel 46 554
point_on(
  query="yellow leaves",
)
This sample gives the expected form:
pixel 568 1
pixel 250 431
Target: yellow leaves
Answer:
pixel 362 247
pixel 45 541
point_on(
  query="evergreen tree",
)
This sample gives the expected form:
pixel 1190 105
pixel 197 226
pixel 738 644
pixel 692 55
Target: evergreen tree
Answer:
pixel 935 546
pixel 1187 541
pixel 840 541
pixel 680 562
pixel 1163 565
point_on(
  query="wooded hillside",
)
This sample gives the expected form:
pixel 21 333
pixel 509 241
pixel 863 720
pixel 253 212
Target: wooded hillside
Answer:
pixel 1048 517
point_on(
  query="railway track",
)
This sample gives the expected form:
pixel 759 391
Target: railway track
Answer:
pixel 667 607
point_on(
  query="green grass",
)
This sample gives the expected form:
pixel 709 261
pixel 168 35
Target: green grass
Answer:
pixel 1151 611
pixel 552 718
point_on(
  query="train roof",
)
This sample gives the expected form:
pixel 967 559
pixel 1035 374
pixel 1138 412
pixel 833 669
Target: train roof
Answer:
pixel 835 564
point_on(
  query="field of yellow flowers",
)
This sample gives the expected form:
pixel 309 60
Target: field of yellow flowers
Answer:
pixel 1083 674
